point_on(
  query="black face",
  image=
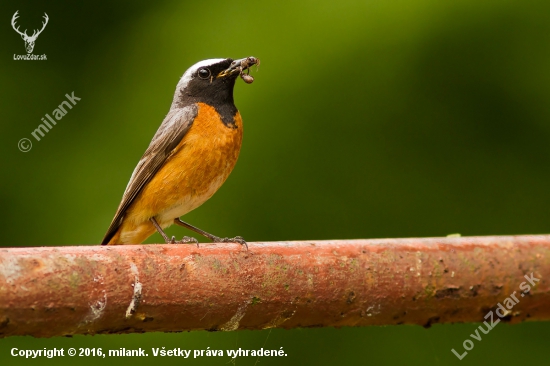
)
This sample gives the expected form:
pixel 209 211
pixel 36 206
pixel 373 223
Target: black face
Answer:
pixel 205 85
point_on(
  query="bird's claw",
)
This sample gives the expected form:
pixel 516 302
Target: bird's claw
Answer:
pixel 184 240
pixel 188 240
pixel 236 240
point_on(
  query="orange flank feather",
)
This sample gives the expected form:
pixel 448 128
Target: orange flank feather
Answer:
pixel 193 172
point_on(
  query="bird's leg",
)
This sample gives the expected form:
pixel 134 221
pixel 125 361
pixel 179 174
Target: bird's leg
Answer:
pixel 159 229
pixel 184 240
pixel 214 238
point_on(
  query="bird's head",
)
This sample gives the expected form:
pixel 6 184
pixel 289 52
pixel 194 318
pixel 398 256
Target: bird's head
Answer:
pixel 211 81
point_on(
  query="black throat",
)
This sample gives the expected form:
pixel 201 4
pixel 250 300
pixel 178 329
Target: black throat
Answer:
pixel 217 94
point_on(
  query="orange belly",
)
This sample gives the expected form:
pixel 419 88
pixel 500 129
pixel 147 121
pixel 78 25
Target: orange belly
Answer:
pixel 191 175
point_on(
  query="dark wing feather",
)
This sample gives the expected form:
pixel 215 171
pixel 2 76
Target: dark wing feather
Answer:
pixel 168 136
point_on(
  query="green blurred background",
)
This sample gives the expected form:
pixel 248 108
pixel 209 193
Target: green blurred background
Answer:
pixel 367 119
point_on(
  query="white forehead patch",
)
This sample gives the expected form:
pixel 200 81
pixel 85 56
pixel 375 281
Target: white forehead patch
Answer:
pixel 186 78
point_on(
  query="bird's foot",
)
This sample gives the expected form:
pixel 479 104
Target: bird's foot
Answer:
pixel 188 240
pixel 237 240
pixel 184 240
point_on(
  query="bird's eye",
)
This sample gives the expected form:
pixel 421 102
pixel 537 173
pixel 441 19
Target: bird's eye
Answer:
pixel 204 73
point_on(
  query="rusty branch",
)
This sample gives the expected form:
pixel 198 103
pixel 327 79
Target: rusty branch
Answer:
pixel 57 291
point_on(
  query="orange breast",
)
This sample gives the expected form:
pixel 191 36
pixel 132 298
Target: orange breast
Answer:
pixel 191 175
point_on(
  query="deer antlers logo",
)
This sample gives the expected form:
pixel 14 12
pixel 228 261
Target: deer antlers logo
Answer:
pixel 29 41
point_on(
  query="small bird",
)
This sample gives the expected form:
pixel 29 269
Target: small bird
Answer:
pixel 189 158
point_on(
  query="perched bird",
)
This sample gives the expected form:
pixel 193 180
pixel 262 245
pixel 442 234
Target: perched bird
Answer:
pixel 189 158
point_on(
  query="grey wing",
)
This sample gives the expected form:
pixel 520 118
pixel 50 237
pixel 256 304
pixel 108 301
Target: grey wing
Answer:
pixel 168 136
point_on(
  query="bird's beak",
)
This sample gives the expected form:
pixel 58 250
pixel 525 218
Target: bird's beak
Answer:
pixel 238 66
